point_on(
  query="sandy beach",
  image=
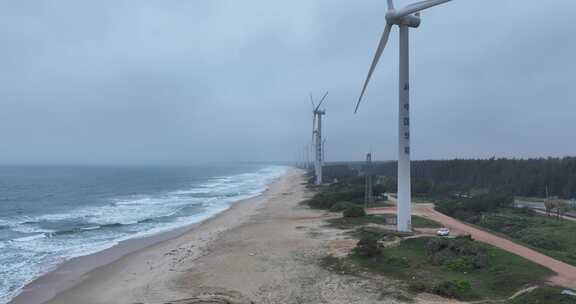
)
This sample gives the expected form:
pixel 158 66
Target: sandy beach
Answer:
pixel 263 250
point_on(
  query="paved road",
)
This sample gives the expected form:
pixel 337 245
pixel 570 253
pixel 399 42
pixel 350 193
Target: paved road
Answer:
pixel 566 217
pixel 540 208
pixel 566 274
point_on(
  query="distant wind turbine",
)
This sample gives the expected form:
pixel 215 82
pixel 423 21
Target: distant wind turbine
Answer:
pixel 317 137
pixel 404 18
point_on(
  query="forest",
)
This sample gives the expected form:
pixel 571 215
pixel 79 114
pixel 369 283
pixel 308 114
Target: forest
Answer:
pixel 521 177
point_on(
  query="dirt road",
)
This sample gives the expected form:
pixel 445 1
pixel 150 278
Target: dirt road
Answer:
pixel 566 274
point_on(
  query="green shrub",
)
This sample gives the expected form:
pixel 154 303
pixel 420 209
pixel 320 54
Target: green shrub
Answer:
pixel 457 289
pixel 334 194
pixel 459 264
pixel 341 206
pixel 354 211
pixel 368 232
pixel 542 242
pixel 459 254
pixel 467 208
pixel 367 247
pixel 419 286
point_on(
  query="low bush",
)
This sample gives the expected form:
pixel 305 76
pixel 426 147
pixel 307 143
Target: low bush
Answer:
pixel 542 242
pixel 460 254
pixel 341 206
pixel 327 197
pixel 354 211
pixel 408 261
pixel 419 286
pixel 368 232
pixel 460 264
pixel 468 208
pixel 458 289
pixel 367 248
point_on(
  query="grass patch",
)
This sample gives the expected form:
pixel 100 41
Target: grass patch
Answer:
pixel 353 222
pixel 380 219
pixel 422 222
pixel 544 295
pixel 494 211
pixel 374 233
pixel 505 274
pixel 422 200
pixel 550 236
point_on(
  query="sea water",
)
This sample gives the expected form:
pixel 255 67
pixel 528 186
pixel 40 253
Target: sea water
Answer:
pixel 49 215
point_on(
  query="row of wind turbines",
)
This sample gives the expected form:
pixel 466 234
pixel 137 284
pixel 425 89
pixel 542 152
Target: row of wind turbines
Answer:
pixel 405 18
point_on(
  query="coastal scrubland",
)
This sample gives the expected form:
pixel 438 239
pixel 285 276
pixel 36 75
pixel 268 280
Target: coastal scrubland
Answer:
pixel 553 236
pixel 459 268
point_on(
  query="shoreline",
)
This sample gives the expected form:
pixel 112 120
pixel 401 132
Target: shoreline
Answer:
pixel 73 272
pixel 269 249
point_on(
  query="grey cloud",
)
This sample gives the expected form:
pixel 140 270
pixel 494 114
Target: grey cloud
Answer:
pixel 187 81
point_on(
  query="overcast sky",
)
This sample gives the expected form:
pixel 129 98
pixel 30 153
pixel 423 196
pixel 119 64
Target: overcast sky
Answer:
pixel 184 81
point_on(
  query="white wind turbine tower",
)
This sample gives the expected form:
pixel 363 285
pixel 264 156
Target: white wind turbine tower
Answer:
pixel 317 138
pixel 404 18
pixel 324 151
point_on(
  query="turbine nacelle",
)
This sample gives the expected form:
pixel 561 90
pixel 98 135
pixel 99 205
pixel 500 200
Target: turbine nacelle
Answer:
pixel 409 20
pixel 407 16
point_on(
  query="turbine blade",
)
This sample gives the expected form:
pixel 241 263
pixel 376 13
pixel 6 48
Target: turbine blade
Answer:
pixel 379 50
pixel 312 101
pixel 419 6
pixel 321 101
pixel 390 4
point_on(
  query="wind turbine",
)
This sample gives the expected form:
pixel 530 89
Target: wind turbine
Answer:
pixel 317 137
pixel 404 18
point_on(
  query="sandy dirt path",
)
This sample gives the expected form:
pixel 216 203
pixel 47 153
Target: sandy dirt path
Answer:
pixel 566 274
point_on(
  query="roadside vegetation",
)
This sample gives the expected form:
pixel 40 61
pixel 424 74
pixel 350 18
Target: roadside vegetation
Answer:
pixel 495 211
pixel 347 197
pixel 378 219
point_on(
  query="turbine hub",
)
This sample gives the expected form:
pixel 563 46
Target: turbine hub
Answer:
pixel 409 20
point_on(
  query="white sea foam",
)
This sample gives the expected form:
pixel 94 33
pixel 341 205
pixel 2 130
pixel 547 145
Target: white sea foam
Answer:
pixel 27 257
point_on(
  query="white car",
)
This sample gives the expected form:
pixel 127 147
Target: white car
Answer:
pixel 443 232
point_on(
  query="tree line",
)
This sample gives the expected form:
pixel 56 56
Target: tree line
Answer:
pixel 521 177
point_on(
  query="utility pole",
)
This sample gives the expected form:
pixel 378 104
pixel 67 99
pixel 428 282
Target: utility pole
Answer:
pixel 369 193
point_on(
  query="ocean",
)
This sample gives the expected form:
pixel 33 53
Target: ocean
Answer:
pixel 51 214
